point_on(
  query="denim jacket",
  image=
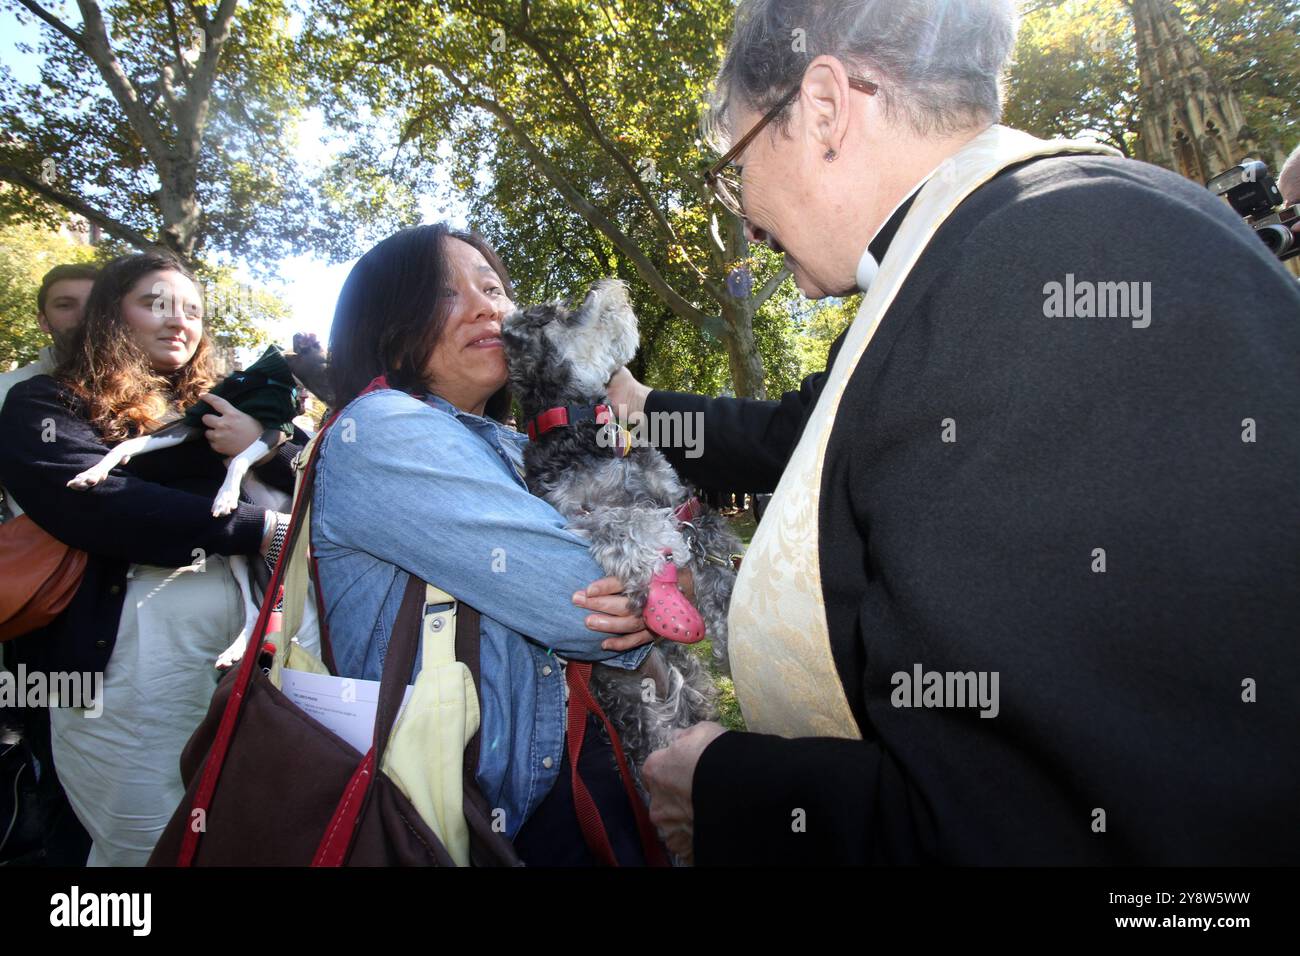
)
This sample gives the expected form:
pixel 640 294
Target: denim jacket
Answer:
pixel 409 486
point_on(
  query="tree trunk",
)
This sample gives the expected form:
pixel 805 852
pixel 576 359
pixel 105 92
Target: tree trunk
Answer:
pixel 747 375
pixel 178 201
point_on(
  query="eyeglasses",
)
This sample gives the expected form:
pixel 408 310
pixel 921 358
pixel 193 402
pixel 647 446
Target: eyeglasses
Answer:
pixel 725 182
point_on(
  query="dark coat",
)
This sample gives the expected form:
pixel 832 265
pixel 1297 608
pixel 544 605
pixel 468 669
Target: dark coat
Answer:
pixel 155 510
pixel 1120 691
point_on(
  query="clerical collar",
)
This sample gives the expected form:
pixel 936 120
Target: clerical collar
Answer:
pixel 869 264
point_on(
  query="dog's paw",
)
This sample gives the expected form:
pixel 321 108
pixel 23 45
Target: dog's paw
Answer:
pixel 233 654
pixel 89 478
pixel 226 501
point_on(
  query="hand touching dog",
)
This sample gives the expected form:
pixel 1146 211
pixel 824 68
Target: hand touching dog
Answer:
pixel 231 431
pixel 669 776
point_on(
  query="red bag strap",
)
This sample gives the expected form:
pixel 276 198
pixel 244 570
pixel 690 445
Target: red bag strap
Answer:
pixel 230 716
pixel 212 766
pixel 581 702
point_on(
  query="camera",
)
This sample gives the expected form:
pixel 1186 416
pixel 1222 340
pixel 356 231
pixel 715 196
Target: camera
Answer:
pixel 1251 191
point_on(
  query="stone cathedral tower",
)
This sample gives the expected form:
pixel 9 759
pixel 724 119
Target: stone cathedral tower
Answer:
pixel 1190 122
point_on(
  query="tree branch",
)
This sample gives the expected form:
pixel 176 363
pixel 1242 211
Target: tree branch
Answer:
pixel 198 13
pixel 544 53
pixel 770 286
pixel 52 20
pixel 549 56
pixel 18 177
pixel 199 101
pixel 96 46
pixel 176 41
pixel 584 207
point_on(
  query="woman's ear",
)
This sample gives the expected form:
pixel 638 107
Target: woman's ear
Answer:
pixel 824 99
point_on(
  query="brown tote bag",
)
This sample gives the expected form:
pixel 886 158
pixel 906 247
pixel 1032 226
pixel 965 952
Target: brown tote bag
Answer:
pixel 268 785
pixel 39 575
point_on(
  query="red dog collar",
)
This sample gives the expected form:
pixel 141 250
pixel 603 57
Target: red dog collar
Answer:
pixel 562 415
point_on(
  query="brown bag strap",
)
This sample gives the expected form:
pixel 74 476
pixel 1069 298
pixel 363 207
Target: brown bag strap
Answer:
pixel 487 846
pixel 403 645
pixel 468 636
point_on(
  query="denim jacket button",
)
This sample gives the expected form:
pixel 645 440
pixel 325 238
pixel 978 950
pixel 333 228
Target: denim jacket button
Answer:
pixel 547 762
pixel 546 670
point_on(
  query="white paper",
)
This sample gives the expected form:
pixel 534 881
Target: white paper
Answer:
pixel 346 705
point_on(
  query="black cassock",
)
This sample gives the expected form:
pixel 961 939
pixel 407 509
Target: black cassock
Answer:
pixel 989 448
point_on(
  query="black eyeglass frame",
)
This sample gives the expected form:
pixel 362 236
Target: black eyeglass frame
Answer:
pixel 727 191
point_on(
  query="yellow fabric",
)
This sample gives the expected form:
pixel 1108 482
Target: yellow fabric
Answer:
pixel 297 655
pixel 426 752
pixel 779 643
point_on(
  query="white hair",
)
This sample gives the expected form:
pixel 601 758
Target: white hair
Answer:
pixel 938 62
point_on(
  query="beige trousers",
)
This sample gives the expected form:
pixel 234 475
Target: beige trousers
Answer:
pixel 121 770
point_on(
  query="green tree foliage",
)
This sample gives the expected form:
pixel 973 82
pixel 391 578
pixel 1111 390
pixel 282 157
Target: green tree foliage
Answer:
pixel 164 123
pixel 1075 72
pixel 571 128
pixel 1255 47
pixel 236 312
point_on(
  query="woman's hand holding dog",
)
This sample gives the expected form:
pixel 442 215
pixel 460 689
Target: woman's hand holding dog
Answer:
pixel 614 613
pixel 231 431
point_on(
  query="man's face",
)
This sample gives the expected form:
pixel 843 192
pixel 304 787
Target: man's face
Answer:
pixel 65 306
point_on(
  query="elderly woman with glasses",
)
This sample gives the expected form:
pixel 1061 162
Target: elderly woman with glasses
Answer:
pixel 1034 537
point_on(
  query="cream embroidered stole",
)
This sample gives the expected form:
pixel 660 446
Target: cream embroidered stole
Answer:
pixel 781 662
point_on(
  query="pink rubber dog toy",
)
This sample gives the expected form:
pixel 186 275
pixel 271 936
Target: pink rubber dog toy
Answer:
pixel 667 612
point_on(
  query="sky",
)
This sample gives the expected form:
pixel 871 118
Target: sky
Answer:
pixel 310 286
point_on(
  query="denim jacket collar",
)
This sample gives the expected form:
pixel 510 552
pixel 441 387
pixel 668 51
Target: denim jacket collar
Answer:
pixel 478 423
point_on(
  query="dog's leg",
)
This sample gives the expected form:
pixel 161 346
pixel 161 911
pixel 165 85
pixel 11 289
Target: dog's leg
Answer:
pixel 232 654
pixel 123 452
pixel 227 498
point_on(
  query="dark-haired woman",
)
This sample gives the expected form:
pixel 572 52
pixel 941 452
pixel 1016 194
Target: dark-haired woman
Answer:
pixel 421 477
pixel 158 601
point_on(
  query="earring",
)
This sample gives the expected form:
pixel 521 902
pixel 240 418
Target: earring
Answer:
pixel 829 156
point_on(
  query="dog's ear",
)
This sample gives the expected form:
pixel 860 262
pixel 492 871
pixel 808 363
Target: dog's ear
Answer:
pixel 608 314
pixel 537 316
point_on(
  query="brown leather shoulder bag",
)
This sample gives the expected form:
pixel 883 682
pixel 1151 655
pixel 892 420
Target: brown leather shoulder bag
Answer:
pixel 269 785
